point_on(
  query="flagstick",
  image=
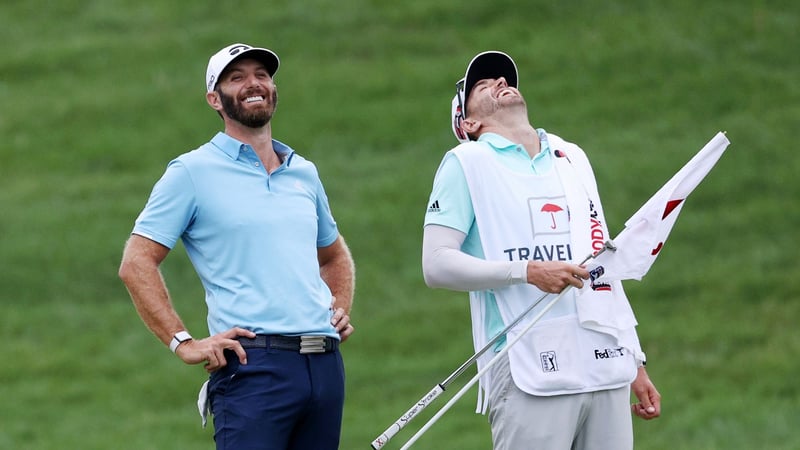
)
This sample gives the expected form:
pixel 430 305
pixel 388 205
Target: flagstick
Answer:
pixel 474 379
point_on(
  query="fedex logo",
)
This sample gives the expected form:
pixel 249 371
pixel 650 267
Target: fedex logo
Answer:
pixel 607 353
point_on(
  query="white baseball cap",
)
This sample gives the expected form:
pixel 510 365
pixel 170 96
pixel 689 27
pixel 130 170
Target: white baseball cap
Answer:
pixel 490 64
pixel 229 54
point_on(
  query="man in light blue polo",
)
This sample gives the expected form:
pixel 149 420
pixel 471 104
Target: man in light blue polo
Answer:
pixel 278 277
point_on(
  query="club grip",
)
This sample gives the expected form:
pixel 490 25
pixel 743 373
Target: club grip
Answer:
pixel 381 440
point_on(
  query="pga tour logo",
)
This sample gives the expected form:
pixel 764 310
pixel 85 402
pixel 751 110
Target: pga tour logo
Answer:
pixel 596 273
pixel 549 363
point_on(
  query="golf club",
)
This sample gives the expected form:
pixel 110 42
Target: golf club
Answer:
pixel 401 422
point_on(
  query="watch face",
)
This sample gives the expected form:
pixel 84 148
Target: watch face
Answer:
pixel 182 336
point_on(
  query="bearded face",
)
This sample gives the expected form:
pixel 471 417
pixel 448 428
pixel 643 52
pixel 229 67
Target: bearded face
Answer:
pixel 488 97
pixel 241 110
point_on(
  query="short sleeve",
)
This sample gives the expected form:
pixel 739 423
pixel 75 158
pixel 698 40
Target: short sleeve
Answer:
pixel 170 209
pixel 450 204
pixel 327 230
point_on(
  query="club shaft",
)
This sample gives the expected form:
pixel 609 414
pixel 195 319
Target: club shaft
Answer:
pixel 381 440
pixel 400 423
pixel 480 373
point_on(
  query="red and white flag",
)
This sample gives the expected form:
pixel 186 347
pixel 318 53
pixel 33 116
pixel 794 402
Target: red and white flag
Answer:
pixel 645 232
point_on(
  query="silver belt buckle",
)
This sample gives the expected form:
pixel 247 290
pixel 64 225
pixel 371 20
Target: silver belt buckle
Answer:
pixel 312 344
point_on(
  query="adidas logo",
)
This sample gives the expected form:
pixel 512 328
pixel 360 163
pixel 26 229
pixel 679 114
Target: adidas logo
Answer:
pixel 434 207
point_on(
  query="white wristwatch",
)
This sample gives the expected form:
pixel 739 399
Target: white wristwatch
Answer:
pixel 179 338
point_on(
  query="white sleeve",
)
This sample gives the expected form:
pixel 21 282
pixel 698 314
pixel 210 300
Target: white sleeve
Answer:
pixel 444 265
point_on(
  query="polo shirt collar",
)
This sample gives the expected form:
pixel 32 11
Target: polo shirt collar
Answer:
pixel 499 142
pixel 540 163
pixel 496 141
pixel 232 147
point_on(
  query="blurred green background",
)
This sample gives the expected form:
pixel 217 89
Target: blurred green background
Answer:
pixel 97 96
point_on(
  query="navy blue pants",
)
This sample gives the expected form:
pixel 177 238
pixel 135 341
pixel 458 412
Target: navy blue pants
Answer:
pixel 279 400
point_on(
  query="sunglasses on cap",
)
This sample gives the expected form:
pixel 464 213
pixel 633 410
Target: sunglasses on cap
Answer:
pixel 460 112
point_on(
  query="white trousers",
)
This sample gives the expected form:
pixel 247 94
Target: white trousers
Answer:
pixel 598 420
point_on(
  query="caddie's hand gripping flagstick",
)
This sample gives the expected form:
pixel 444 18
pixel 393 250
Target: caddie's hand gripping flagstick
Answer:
pixel 400 423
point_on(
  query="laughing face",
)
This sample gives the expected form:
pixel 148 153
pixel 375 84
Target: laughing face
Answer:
pixel 491 95
pixel 247 93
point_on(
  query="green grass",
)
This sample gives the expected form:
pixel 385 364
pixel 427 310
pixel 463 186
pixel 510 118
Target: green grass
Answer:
pixel 99 95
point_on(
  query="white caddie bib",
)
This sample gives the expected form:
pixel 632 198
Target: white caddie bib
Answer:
pixel 528 216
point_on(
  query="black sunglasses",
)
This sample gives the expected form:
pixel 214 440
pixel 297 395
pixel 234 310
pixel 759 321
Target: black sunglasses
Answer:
pixel 459 89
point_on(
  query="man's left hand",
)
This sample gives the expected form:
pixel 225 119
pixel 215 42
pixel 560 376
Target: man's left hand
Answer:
pixel 341 321
pixel 649 406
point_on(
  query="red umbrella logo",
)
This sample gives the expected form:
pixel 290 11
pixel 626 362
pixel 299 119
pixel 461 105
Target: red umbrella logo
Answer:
pixel 552 209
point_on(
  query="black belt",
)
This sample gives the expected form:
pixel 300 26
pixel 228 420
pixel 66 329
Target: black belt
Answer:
pixel 302 344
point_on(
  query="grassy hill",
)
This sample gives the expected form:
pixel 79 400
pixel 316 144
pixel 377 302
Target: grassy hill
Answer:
pixel 99 96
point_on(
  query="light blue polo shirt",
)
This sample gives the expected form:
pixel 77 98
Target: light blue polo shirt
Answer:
pixel 251 236
pixel 455 209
